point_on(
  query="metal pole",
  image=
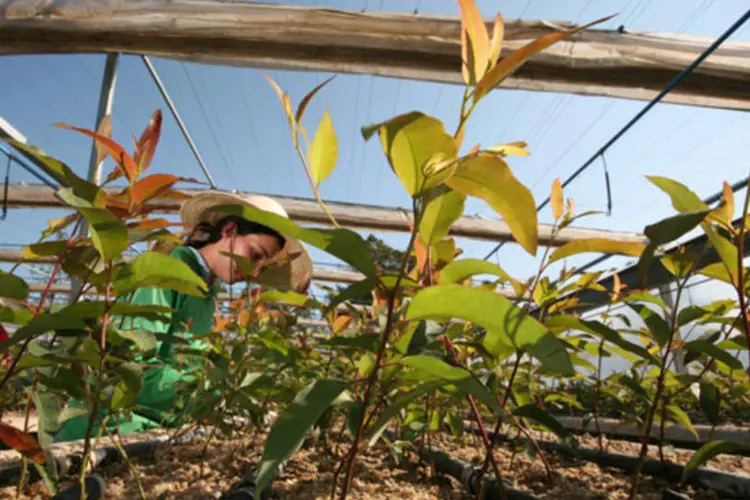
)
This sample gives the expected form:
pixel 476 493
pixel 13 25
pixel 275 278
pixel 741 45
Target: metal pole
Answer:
pixel 106 98
pixel 178 119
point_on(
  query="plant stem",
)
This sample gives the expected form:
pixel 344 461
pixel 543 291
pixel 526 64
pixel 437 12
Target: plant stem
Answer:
pixel 597 396
pixel 372 379
pixel 673 326
pixel 133 468
pixel 741 270
pixel 94 399
pixel 478 419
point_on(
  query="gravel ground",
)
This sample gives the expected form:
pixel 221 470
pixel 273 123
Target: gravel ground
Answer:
pixel 185 472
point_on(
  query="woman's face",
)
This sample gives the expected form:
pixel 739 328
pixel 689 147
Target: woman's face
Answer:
pixel 257 248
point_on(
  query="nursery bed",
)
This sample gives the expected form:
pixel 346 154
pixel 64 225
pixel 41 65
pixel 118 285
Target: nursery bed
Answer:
pixel 182 471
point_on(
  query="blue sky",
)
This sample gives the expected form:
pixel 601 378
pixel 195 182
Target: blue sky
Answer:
pixel 236 120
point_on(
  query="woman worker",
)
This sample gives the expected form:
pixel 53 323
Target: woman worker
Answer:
pixel 211 236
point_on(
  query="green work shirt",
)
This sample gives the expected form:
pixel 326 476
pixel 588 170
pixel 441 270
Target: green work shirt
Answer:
pixel 192 315
pixel 158 396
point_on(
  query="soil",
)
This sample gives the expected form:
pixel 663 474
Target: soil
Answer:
pixel 185 472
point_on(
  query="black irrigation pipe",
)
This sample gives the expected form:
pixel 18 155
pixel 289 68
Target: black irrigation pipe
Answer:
pixel 69 465
pixel 666 90
pixel 725 484
pixel 468 475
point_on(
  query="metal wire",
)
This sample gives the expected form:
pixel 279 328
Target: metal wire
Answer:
pixel 670 86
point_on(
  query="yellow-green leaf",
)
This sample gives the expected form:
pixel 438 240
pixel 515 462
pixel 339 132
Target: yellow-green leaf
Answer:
pixel 725 212
pixel 598 245
pixel 443 209
pixel 506 324
pixel 488 177
pixel 324 150
pixel 556 199
pixel 409 142
pixel 496 45
pixel 512 148
pixel 460 270
pixel 475 42
pixel 284 98
pixel 515 60
pixel 682 418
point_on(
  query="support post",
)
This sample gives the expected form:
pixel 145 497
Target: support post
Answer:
pixel 106 99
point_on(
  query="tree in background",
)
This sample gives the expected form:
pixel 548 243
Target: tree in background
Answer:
pixel 388 258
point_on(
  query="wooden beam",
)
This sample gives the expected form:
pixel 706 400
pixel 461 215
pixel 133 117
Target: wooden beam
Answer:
pixel 631 65
pixel 353 216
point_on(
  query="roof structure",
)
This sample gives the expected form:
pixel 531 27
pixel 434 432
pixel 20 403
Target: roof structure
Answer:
pixel 626 63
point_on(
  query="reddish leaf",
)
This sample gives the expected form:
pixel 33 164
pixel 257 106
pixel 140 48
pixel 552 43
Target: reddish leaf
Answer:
pixel 3 338
pixel 123 159
pixel 22 443
pixel 342 323
pixel 150 224
pixel 152 186
pixel 515 60
pixel 146 146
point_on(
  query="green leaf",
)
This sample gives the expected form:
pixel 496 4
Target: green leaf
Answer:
pixel 667 230
pixel 455 423
pixel 324 150
pixel 460 270
pixel 131 380
pixel 682 418
pixel 712 351
pixel 352 291
pixel 601 331
pixel 289 430
pixel 656 324
pixel 541 416
pixel 44 323
pixel 288 298
pixel 710 401
pixel 683 199
pixel 400 403
pixel 108 233
pixel 145 340
pixel 462 379
pixel 48 410
pixel 443 208
pixel 367 342
pixel 488 177
pixel 342 243
pixel 66 381
pixel 158 270
pixel 365 365
pixel 409 142
pixel 13 287
pixel 506 324
pixel 709 451
pixel 598 245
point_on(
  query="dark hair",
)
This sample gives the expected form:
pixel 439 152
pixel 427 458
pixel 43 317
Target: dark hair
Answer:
pixel 205 234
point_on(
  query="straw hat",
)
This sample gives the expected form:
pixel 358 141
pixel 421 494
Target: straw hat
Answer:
pixel 292 271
